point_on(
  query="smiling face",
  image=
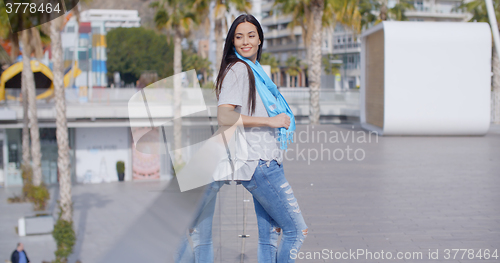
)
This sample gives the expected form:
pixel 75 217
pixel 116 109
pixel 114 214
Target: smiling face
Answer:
pixel 246 40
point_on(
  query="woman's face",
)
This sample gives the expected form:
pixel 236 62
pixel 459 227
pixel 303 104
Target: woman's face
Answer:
pixel 246 40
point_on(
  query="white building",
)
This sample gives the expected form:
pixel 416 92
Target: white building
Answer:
pixel 112 18
pixel 99 136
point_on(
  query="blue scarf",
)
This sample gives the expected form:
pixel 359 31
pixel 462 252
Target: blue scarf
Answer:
pixel 273 100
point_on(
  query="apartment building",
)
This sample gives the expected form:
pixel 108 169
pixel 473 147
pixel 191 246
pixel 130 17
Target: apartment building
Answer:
pixel 282 43
pixel 89 39
pixel 341 41
pixel 436 10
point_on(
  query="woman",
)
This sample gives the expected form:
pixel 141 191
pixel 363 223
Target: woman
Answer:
pixel 244 90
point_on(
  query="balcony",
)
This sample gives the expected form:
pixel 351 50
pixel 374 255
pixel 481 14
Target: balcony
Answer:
pixel 436 12
pixel 286 32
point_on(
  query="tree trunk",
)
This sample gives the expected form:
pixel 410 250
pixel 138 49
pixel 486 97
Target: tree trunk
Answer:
pixel 63 164
pixel 314 69
pixel 26 130
pixel 302 79
pixel 383 11
pixel 14 42
pixel 177 98
pixel 32 115
pixel 495 95
pixel 287 80
pixel 219 42
pixel 279 78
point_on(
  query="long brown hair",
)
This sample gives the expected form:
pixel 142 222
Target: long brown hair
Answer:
pixel 229 58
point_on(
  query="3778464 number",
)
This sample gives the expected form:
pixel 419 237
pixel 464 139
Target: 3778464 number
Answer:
pixel 470 254
pixel 31 8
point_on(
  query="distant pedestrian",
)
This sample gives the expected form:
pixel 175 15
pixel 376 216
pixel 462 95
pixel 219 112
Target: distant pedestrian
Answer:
pixel 19 256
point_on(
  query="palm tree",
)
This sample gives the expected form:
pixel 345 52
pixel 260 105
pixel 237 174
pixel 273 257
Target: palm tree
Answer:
pixel 350 13
pixel 63 163
pixel 7 22
pixel 178 17
pixel 330 68
pixel 11 34
pixel 220 10
pixel 31 41
pixel 191 60
pixel 26 130
pixel 268 59
pixel 479 14
pixel 311 16
pixel 365 9
pixel 294 68
pixel 397 12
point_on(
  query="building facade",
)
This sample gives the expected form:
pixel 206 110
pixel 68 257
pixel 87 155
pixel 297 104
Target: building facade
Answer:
pixel 99 132
pixel 89 40
pixel 341 42
pixel 99 136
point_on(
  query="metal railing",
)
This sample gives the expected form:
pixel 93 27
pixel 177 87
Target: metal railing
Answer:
pixel 298 97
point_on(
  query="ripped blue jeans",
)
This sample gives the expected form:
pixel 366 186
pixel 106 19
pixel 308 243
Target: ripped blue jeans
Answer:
pixel 277 211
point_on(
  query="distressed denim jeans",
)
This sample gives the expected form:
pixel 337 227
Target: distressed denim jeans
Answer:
pixel 276 208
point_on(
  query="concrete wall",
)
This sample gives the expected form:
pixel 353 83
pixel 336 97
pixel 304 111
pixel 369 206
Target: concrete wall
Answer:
pixel 98 150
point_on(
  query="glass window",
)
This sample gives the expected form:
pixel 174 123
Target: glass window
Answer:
pixel 68 54
pixel 83 42
pixel 298 39
pixel 83 64
pixel 419 5
pixel 14 146
pixel 82 55
pixel 284 56
pixel 352 83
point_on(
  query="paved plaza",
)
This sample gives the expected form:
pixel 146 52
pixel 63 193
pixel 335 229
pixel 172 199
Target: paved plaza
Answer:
pixel 360 194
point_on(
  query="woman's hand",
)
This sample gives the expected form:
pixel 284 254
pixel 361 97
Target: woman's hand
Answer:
pixel 280 120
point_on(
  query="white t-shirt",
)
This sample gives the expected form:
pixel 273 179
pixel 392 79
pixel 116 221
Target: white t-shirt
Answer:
pixel 261 142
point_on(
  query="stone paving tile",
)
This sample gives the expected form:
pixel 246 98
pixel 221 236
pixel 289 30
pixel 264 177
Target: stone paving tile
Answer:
pixel 408 194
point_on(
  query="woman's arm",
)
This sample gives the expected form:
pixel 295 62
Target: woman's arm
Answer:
pixel 226 116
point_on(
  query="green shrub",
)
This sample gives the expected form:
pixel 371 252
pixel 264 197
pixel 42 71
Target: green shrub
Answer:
pixel 65 240
pixel 27 175
pixel 38 195
pixel 120 167
pixel 208 85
